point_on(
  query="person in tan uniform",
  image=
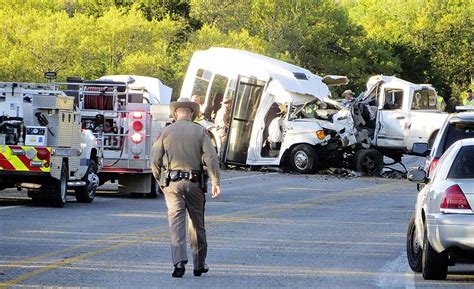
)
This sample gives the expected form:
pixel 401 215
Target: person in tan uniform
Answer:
pixel 177 164
pixel 222 121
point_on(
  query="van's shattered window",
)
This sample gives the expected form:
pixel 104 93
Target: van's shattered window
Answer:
pixel 313 109
pixel 424 99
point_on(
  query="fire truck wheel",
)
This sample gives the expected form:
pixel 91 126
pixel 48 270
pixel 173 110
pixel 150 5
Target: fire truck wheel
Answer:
pixel 155 190
pixel 39 202
pixel 86 194
pixel 60 188
pixel 137 195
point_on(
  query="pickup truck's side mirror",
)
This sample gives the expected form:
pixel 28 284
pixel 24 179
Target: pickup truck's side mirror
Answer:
pixel 420 149
pixel 417 175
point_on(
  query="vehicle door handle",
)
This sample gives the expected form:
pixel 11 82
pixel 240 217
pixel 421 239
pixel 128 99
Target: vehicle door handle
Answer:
pixel 400 117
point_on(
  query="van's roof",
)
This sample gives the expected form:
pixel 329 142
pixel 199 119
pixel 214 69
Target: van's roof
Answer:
pixel 232 62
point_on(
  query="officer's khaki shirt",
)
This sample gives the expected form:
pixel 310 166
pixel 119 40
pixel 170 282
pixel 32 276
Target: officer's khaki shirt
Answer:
pixel 183 145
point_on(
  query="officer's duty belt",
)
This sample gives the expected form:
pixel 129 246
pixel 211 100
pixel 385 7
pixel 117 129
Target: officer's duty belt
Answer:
pixel 177 175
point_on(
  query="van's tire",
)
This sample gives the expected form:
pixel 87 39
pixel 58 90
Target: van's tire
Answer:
pixel 303 159
pixel 414 249
pixel 368 161
pixel 435 265
pixel 86 194
pixel 60 187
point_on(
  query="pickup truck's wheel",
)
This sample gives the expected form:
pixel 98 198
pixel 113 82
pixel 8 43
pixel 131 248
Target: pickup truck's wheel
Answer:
pixel 368 161
pixel 435 265
pixel 86 194
pixel 60 188
pixel 414 249
pixel 303 159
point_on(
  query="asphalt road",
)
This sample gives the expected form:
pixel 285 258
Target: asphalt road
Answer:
pixel 268 230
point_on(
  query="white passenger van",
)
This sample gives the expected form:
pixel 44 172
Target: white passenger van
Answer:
pixel 258 85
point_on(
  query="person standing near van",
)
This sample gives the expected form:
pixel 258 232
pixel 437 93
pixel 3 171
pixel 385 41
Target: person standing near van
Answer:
pixel 177 164
pixel 222 123
pixel 348 98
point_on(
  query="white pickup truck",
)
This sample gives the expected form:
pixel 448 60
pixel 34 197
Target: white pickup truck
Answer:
pixel 389 118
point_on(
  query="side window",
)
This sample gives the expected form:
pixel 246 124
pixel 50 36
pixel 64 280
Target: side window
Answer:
pixel 424 99
pixel 393 98
pixel 231 89
pixel 216 95
pixel 203 77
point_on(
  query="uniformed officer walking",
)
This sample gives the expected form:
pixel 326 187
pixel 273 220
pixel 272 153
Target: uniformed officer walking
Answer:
pixel 177 164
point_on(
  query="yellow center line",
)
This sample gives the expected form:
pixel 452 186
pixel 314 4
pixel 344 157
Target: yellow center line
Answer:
pixel 224 218
pixel 90 243
pixel 67 261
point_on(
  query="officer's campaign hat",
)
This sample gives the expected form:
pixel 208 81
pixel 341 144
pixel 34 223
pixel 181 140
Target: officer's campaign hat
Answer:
pixel 184 102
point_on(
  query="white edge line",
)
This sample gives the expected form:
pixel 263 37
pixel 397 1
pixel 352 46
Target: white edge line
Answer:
pixel 11 207
pixel 246 177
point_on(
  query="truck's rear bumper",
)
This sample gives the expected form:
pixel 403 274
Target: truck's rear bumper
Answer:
pixel 25 159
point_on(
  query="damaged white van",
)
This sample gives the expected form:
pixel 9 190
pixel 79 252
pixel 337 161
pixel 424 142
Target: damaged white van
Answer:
pixel 264 89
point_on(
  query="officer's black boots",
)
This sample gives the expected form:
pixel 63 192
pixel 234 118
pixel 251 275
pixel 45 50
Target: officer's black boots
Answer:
pixel 199 272
pixel 179 269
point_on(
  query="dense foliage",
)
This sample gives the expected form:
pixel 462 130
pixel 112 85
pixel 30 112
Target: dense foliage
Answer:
pixel 423 41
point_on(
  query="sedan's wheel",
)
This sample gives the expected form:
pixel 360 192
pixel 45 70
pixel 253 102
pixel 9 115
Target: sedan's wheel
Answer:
pixel 435 265
pixel 303 159
pixel 369 161
pixel 86 194
pixel 60 188
pixel 414 249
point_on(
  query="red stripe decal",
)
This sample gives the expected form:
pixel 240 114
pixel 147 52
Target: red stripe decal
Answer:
pixel 6 165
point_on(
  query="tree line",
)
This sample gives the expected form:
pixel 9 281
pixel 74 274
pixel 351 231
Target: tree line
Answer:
pixel 422 41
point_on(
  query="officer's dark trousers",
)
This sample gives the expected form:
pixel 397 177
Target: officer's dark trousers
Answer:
pixel 181 196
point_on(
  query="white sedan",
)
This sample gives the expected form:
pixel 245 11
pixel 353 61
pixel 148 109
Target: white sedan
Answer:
pixel 442 229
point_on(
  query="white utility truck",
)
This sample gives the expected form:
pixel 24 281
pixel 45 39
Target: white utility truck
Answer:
pixel 126 114
pixel 258 86
pixel 42 146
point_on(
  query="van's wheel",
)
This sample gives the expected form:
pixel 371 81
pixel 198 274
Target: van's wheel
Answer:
pixel 155 189
pixel 86 194
pixel 368 161
pixel 435 265
pixel 60 188
pixel 303 159
pixel 414 249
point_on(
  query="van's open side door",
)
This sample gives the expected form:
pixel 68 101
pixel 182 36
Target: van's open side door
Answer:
pixel 246 100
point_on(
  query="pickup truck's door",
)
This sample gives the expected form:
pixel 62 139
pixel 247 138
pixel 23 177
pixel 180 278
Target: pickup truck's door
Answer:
pixel 425 118
pixel 391 118
pixel 245 105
